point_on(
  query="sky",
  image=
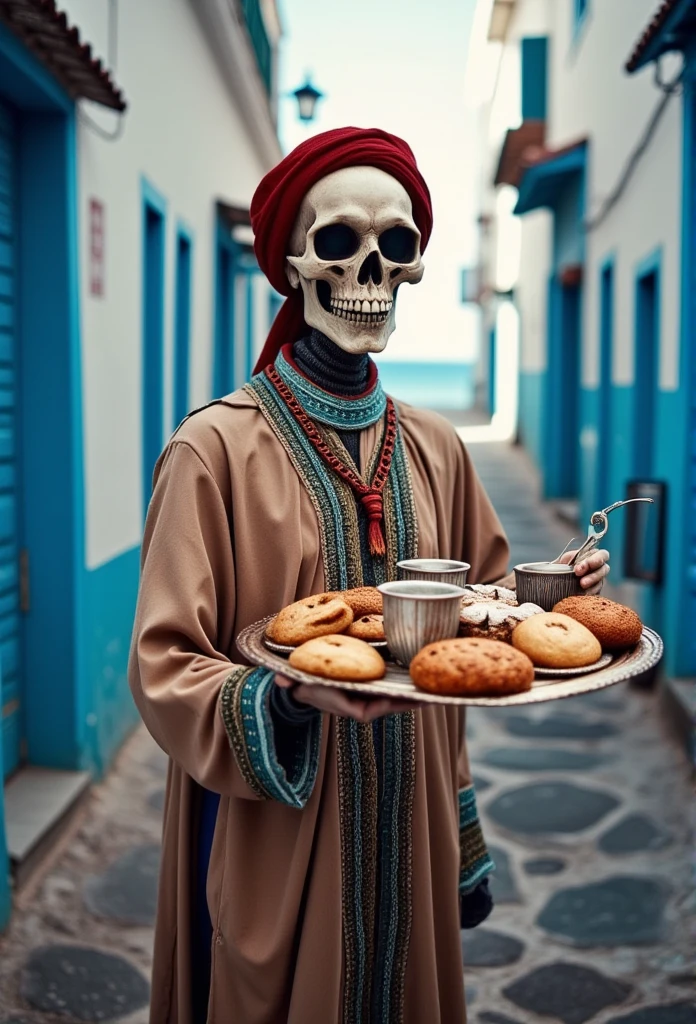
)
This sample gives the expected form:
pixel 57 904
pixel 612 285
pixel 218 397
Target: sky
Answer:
pixel 400 65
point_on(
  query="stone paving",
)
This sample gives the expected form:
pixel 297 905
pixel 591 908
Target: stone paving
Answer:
pixel 586 807
pixel 589 801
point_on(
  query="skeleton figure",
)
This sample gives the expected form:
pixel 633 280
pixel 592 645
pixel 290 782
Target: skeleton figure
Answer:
pixel 354 243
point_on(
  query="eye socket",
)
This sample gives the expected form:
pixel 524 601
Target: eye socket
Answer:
pixel 399 244
pixel 336 242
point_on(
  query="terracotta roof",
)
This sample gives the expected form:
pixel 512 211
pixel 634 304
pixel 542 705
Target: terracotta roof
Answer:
pixel 520 144
pixel 47 33
pixel 651 31
pixel 543 154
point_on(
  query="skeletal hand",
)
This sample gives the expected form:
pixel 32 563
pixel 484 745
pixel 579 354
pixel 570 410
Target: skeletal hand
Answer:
pixel 592 570
pixel 346 705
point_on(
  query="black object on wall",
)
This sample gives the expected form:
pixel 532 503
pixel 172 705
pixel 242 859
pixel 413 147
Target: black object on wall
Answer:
pixel 645 531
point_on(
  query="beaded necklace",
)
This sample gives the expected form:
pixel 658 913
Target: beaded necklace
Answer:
pixel 370 495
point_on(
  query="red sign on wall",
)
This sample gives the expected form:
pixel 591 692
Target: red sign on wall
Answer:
pixel 96 247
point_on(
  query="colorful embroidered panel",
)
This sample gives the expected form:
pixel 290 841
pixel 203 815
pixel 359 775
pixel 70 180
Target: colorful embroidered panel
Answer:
pixel 245 709
pixel 375 807
pixel 475 861
pixel 332 410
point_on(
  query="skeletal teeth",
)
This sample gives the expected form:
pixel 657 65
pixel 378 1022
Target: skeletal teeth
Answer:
pixel 375 306
pixel 382 307
pixel 365 306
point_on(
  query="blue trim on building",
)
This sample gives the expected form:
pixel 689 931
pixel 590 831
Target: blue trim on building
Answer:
pixel 182 321
pixel 26 82
pixel 492 365
pixel 532 386
pixel 226 255
pixel 602 495
pixel 249 331
pixel 110 593
pixel 542 183
pixel 154 212
pixel 646 352
pixel 534 58
pixel 560 429
pixel 680 563
pixel 52 521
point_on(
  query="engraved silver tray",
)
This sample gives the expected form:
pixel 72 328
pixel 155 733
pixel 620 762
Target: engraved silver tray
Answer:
pixel 397 682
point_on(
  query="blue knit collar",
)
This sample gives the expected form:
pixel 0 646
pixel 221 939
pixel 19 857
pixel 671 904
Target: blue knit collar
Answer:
pixel 333 410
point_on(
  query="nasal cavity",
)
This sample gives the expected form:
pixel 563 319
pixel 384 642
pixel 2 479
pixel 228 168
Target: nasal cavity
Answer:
pixel 371 270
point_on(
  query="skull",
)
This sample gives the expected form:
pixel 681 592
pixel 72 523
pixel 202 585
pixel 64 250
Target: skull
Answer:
pixel 353 244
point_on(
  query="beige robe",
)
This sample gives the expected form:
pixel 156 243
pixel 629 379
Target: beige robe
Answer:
pixel 231 537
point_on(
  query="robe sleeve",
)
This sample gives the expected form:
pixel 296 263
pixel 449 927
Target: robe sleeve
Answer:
pixel 214 718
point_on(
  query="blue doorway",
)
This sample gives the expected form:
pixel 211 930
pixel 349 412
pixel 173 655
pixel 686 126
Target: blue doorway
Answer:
pixel 153 227
pixel 11 562
pixel 182 324
pixel 561 425
pixel 606 344
pixel 646 372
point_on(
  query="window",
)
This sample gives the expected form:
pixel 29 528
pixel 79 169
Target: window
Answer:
pixel 533 54
pixel 153 335
pixel 182 325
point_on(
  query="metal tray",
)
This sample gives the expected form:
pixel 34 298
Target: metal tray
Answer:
pixel 397 682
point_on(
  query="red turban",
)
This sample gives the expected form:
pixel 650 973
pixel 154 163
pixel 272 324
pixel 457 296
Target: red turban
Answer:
pixel 278 198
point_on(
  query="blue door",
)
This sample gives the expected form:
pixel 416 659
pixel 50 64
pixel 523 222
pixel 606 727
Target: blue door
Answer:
pixel 9 553
pixel 561 428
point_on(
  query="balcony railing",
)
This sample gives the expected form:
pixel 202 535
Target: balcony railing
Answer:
pixel 259 39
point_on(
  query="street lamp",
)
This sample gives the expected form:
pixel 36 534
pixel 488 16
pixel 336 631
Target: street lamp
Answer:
pixel 307 97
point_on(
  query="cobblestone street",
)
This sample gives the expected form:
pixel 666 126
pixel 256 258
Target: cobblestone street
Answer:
pixel 587 807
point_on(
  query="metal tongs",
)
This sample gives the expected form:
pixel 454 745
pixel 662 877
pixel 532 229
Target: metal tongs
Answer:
pixel 598 527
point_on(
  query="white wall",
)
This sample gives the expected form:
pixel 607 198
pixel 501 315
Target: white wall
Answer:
pixel 184 133
pixel 592 96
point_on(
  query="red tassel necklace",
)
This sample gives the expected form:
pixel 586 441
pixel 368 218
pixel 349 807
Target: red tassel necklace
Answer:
pixel 369 495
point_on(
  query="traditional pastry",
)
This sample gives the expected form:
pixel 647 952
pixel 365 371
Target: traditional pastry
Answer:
pixel 615 626
pixel 468 667
pixel 339 657
pixel 476 593
pixel 309 618
pixel 556 641
pixel 367 627
pixel 494 620
pixel 363 600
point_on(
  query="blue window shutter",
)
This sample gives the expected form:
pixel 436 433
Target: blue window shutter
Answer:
pixel 534 55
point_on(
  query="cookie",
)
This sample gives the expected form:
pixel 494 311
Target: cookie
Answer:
pixel 476 593
pixel 367 627
pixel 309 618
pixel 363 600
pixel 494 620
pixel 615 626
pixel 469 667
pixel 339 657
pixel 556 641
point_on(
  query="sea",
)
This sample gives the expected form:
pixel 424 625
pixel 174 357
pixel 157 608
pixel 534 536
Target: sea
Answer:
pixel 433 385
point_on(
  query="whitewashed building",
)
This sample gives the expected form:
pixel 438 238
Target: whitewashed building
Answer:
pixel 128 295
pixel 587 257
